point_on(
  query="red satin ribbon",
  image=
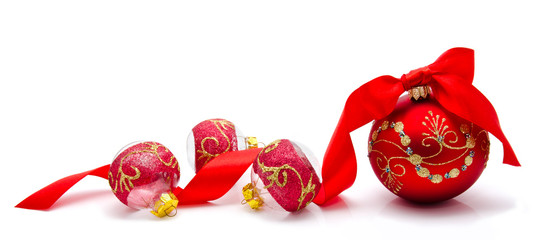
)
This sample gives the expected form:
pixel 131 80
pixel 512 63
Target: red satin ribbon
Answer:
pixel 216 177
pixel 210 183
pixel 450 77
pixel 47 196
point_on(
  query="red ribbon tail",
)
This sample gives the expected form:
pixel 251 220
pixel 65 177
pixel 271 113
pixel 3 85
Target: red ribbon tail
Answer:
pixel 373 100
pixel 217 177
pixel 469 103
pixel 339 171
pixel 47 196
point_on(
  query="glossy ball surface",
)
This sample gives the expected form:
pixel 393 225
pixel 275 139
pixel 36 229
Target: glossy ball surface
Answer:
pixel 423 153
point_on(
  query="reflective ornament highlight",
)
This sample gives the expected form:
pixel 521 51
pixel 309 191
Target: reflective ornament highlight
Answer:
pixel 143 175
pixel 283 176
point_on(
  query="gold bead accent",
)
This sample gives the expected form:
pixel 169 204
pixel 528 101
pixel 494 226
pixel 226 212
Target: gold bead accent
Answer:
pixel 398 127
pixel 436 178
pixel 406 140
pixel 470 142
pixel 423 172
pixel 384 126
pixel 374 135
pixel 415 159
pixel 454 173
pixel 468 160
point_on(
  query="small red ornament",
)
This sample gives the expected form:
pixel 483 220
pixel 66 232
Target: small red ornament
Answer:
pixel 209 139
pixel 144 175
pixel 283 175
pixel 424 153
pixel 213 137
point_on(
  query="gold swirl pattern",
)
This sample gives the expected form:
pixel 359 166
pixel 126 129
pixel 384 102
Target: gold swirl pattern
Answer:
pixel 221 125
pixel 124 181
pixel 440 134
pixel 274 177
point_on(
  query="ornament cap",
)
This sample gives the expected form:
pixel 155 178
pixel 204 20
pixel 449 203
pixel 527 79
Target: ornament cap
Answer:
pixel 419 92
pixel 165 205
pixel 251 196
pixel 251 142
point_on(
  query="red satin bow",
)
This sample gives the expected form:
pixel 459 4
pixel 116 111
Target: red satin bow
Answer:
pixel 450 77
pixel 210 183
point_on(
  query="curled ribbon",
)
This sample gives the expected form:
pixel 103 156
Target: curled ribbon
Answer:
pixel 450 77
pixel 210 183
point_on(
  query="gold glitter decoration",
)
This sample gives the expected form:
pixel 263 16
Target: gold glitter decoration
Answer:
pixel 274 177
pixel 384 126
pixel 272 146
pixel 405 140
pixel 468 160
pixel 423 172
pixel 470 143
pixel 436 178
pixel 439 133
pixel 415 159
pixel 124 181
pixel 454 173
pixel 221 125
pixel 398 127
pixel 374 135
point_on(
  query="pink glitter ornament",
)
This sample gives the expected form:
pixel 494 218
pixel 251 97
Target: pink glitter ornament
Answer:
pixel 143 175
pixel 282 175
pixel 213 137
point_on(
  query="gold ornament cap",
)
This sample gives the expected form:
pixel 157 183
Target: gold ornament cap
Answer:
pixel 165 205
pixel 419 92
pixel 251 142
pixel 251 196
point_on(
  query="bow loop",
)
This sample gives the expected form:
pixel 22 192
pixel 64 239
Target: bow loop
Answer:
pixel 418 77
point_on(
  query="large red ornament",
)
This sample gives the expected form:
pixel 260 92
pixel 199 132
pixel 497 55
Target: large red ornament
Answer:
pixel 142 172
pixel 427 151
pixel 424 153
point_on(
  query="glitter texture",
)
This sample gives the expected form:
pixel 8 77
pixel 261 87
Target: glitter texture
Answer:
pixel 141 172
pixel 287 175
pixel 211 138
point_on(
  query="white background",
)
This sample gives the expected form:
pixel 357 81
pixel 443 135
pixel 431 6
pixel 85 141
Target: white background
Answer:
pixel 80 79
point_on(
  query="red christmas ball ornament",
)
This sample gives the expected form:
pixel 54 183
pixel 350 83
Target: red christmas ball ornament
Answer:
pixel 213 137
pixel 424 153
pixel 428 149
pixel 210 138
pixel 282 175
pixel 143 175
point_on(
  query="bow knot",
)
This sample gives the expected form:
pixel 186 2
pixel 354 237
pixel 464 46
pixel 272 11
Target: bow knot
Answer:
pixel 418 77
